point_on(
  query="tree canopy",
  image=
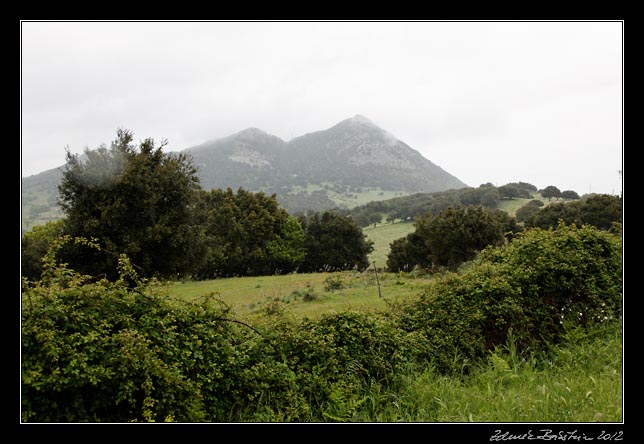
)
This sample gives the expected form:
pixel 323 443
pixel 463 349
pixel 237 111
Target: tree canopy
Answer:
pixel 248 234
pixel 450 238
pixel 334 242
pixel 134 200
pixel 600 211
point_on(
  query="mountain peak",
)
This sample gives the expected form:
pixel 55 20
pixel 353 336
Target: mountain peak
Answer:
pixel 358 120
pixel 252 131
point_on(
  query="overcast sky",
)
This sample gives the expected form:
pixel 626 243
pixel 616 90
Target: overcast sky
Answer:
pixel 499 102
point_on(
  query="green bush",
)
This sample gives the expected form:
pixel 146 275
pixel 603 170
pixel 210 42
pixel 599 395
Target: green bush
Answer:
pixel 536 287
pixel 566 275
pixel 116 352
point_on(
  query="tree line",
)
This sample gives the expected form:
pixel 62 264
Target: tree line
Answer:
pixel 457 234
pixel 149 205
pixel 486 195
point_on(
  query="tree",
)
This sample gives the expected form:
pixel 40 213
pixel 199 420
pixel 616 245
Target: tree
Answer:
pixel 601 210
pixel 248 234
pixel 286 251
pixel 526 212
pixel 458 234
pixel 334 242
pixel 451 237
pixel 551 191
pixel 524 185
pixel 510 191
pixel 550 216
pixel 569 194
pixel 33 246
pixel 408 252
pixel 135 200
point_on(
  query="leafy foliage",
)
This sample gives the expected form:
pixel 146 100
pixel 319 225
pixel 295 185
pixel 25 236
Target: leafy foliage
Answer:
pixel 248 234
pixel 138 201
pixel 334 242
pixel 599 210
pixel 535 288
pixel 452 237
pixel 34 245
pixel 116 351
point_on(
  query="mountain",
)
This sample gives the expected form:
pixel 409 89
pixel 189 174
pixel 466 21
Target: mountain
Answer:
pixel 346 165
pixel 322 169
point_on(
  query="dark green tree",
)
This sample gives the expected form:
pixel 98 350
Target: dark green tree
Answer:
pixel 551 191
pixel 135 200
pixel 510 191
pixel 451 237
pixel 456 235
pixel 600 210
pixel 549 216
pixel 334 242
pixel 526 212
pixel 569 194
pixel 248 234
pixel 407 253
pixel 524 185
pixel 34 245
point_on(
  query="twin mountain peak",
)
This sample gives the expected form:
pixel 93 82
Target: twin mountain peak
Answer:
pixel 354 153
pixel 350 163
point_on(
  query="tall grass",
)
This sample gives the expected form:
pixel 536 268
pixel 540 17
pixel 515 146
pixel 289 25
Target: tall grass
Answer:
pixel 578 381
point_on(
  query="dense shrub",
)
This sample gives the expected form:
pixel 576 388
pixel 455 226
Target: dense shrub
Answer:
pixel 105 351
pixel 537 286
pixel 566 274
pixel 101 351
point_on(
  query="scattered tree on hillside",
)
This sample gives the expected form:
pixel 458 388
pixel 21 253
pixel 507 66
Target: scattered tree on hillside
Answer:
pixel 526 212
pixel 597 210
pixel 484 195
pixel 510 191
pixel 458 234
pixel 569 194
pixel 551 191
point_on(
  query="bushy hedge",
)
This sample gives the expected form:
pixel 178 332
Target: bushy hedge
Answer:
pixel 100 351
pixel 533 288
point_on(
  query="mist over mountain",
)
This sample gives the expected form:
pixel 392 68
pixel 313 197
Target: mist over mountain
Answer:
pixel 349 164
pixel 355 153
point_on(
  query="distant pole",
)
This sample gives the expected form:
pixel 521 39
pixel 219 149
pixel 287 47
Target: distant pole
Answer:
pixel 375 270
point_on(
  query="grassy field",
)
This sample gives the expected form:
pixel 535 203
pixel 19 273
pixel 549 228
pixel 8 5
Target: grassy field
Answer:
pixel 382 236
pixel 304 295
pixel 511 206
pixel 578 381
pixel 350 199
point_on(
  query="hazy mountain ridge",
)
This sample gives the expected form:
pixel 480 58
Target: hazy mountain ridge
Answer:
pixel 315 171
pixel 354 153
